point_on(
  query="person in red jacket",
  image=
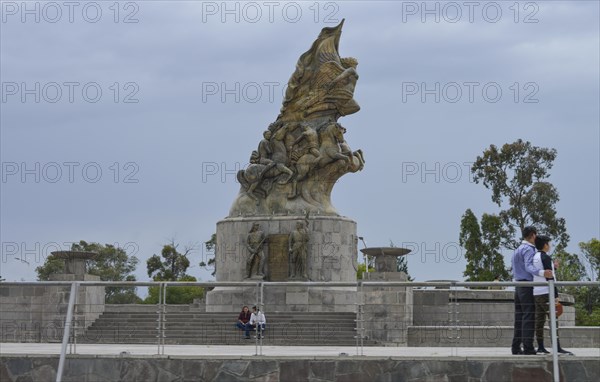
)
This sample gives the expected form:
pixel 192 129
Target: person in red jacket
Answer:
pixel 242 322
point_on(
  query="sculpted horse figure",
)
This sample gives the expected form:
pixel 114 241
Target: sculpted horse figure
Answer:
pixel 330 137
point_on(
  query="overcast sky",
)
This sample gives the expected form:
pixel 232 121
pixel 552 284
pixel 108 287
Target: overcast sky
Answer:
pixel 187 87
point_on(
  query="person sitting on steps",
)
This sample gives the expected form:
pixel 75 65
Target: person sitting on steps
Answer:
pixel 257 321
pixel 242 322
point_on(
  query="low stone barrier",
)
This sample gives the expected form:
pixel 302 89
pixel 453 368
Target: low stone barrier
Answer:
pixel 81 368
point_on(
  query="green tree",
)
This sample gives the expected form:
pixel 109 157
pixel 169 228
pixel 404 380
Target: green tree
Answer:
pixel 591 253
pixel 211 247
pixel 51 266
pixel 482 247
pixel 582 267
pixel 111 264
pixel 588 298
pixel 402 264
pixel 362 268
pixel 516 174
pixel 570 267
pixel 177 294
pixel 172 267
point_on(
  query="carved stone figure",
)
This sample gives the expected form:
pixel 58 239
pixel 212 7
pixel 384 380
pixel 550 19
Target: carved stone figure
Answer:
pixel 255 264
pixel 304 152
pixel 298 249
pixel 323 84
pixel 265 153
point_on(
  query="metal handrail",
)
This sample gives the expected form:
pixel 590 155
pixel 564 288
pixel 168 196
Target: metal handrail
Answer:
pixel 553 331
pixel 67 331
pixel 260 285
pixel 302 283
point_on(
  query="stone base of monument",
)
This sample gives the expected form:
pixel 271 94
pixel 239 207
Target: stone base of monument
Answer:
pixel 387 312
pixel 332 256
pixel 283 298
pixel 310 299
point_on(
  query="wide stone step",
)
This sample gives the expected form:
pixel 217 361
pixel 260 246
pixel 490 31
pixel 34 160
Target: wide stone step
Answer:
pixel 251 342
pixel 279 329
pixel 184 327
pixel 229 326
pixel 230 316
pixel 225 319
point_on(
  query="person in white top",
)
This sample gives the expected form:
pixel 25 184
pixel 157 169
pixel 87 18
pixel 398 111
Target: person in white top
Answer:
pixel 258 321
pixel 542 261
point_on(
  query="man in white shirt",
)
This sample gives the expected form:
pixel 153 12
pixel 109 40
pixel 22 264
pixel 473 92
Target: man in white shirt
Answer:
pixel 258 321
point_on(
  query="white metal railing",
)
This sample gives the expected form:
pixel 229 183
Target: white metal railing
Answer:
pixel 453 312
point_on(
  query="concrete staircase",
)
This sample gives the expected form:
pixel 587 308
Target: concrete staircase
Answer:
pixel 186 326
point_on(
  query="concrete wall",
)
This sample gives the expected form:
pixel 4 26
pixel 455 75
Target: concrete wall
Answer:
pixel 475 307
pixel 36 313
pixel 152 369
pixel 496 336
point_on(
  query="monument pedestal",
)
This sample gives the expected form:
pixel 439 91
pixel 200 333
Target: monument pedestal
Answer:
pixel 90 299
pixel 387 311
pixel 332 256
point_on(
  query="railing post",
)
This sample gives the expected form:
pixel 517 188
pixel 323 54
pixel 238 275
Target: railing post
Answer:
pixel 159 319
pixel 67 331
pixel 262 307
pixel 164 321
pixel 257 324
pixel 357 314
pixel 74 324
pixel 553 331
pixel 453 317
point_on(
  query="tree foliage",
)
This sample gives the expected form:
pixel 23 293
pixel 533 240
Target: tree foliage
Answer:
pixel 591 253
pixel 172 265
pixel 111 264
pixel 402 266
pixel 516 174
pixel 570 266
pixel 582 267
pixel 51 266
pixel 482 247
pixel 402 263
pixel 362 268
pixel 588 298
pixel 211 247
pixel 177 294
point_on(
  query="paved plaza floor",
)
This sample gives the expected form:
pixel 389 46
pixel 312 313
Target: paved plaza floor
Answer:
pixel 210 351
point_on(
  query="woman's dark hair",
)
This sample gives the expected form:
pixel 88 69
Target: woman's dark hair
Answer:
pixel 541 241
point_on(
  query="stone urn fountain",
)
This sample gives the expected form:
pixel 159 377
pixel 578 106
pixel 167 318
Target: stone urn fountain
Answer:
pixel 75 264
pixel 385 257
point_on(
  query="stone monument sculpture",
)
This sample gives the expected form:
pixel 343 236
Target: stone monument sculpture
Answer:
pixel 255 264
pixel 304 152
pixel 291 173
pixel 298 249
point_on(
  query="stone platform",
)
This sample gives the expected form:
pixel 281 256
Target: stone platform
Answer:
pixel 324 364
